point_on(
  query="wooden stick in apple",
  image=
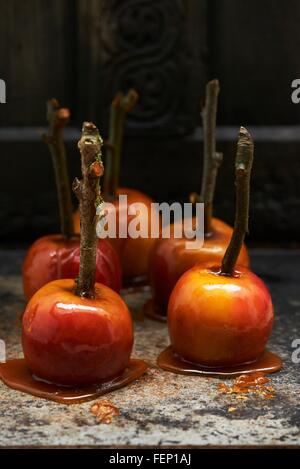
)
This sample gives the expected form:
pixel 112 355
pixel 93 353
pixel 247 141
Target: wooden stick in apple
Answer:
pixel 243 166
pixel 88 192
pixel 169 257
pixel 212 159
pixel 120 107
pixel 133 252
pixel 58 117
pixel 79 331
pixel 221 315
pixel 57 255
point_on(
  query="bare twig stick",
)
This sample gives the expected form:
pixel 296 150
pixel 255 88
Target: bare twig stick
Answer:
pixel 58 118
pixel 243 166
pixel 212 159
pixel 120 107
pixel 89 196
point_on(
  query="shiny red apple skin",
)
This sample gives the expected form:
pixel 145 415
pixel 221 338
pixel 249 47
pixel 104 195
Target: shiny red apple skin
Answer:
pixel 216 320
pixel 76 341
pixel 54 257
pixel 169 259
pixel 134 253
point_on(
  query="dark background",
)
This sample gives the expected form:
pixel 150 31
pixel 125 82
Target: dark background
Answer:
pixel 83 51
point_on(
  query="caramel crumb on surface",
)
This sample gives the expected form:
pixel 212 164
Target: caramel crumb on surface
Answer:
pixel 105 411
pixel 232 409
pixel 253 383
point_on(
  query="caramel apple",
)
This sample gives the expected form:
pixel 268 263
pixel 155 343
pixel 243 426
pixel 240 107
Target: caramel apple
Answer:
pixel 57 256
pixel 74 340
pixel 78 332
pixel 133 252
pixel 222 315
pixel 169 258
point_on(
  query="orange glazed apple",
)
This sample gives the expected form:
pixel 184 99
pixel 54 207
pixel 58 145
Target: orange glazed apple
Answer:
pixel 223 316
pixel 169 258
pixel 219 320
pixel 133 252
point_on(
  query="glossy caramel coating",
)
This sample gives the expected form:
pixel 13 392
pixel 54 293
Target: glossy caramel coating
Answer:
pixel 54 257
pixel 134 253
pixel 170 259
pixel 217 320
pixel 76 341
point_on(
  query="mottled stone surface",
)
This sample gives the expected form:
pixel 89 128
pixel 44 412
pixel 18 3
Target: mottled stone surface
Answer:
pixel 162 408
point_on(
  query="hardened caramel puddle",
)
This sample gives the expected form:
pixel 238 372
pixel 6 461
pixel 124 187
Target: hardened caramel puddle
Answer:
pixel 16 375
pixel 169 361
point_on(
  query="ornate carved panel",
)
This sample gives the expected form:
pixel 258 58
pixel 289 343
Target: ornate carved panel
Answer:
pixel 153 46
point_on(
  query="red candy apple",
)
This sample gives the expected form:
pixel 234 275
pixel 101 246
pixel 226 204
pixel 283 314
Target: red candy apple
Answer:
pixel 170 258
pixel 79 332
pixel 73 340
pixel 57 256
pixel 133 252
pixel 223 316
